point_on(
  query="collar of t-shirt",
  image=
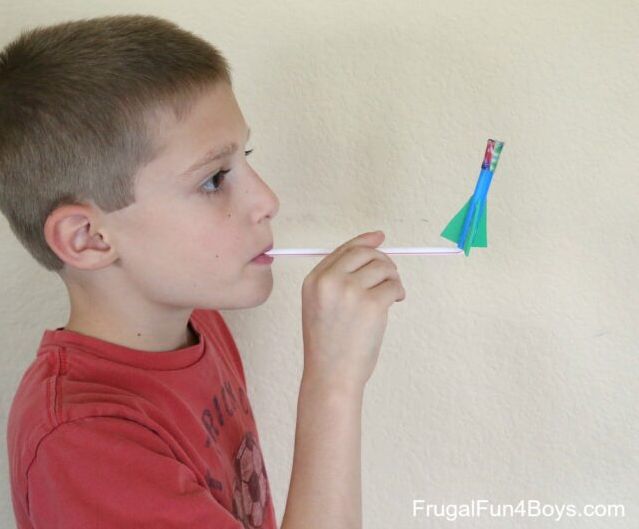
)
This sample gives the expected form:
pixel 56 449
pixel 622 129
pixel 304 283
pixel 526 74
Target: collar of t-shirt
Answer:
pixel 156 360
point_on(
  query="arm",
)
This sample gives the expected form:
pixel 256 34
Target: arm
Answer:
pixel 344 315
pixel 325 488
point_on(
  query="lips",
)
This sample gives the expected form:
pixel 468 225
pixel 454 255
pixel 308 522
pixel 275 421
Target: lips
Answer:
pixel 269 247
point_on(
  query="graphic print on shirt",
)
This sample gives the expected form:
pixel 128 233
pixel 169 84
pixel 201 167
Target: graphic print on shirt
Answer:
pixel 216 414
pixel 230 402
pixel 250 486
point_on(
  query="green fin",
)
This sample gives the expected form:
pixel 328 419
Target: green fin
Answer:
pixel 454 228
pixel 477 234
pixel 481 240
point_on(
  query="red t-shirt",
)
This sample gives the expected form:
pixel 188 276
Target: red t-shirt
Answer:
pixel 104 436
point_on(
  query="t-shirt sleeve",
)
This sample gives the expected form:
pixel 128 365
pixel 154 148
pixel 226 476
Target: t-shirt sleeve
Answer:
pixel 111 472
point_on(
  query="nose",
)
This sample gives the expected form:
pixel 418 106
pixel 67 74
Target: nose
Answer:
pixel 273 203
pixel 269 202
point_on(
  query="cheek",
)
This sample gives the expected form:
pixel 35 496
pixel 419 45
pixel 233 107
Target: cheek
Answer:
pixel 206 236
pixel 189 234
pixel 153 232
pixel 213 243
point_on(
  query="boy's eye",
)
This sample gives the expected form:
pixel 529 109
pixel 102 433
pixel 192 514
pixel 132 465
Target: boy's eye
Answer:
pixel 215 178
pixel 218 176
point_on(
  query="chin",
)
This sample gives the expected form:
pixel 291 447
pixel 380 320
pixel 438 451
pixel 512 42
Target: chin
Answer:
pixel 263 294
pixel 258 295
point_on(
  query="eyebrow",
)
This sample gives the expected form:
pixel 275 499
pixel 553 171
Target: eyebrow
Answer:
pixel 213 155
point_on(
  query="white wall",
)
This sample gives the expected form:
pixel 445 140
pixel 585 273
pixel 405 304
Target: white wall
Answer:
pixel 506 375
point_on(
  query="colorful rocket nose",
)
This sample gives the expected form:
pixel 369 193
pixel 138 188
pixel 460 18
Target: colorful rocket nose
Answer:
pixel 491 156
pixel 468 227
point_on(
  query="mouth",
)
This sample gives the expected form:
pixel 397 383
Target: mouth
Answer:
pixel 269 247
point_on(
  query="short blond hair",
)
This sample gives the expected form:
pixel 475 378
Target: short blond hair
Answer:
pixel 77 101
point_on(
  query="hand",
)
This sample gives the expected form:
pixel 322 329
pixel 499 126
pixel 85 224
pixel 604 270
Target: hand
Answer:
pixel 345 302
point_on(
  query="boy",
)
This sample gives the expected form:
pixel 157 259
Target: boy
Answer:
pixel 115 136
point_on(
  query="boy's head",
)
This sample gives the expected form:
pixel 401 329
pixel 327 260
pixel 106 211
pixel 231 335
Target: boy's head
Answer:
pixel 100 121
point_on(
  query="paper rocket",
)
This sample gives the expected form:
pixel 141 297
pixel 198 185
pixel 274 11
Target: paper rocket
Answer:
pixel 468 227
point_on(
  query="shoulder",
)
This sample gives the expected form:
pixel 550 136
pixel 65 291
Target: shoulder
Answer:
pixel 111 472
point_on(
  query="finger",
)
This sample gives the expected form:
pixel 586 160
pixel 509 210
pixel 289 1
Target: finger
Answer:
pixel 374 273
pixel 388 292
pixel 354 258
pixel 369 239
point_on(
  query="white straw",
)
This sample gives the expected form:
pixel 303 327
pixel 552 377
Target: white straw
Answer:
pixel 395 251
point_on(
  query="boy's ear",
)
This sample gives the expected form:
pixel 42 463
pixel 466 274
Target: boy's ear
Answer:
pixel 73 234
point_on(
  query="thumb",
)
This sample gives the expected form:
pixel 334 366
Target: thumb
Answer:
pixel 372 237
